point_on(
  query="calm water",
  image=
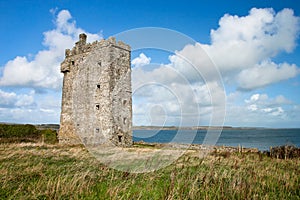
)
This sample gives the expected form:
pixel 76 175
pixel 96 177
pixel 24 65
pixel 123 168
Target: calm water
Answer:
pixel 254 138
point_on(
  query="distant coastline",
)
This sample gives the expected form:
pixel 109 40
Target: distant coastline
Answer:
pixel 196 128
pixel 247 137
pixel 56 127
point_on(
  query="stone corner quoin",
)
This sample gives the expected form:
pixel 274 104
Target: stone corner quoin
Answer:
pixel 96 95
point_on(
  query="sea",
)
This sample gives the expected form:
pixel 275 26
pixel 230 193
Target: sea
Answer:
pixel 260 138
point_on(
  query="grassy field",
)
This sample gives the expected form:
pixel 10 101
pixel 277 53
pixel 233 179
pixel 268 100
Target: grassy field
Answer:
pixel 44 171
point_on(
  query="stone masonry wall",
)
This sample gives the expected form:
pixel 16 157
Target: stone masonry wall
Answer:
pixel 96 99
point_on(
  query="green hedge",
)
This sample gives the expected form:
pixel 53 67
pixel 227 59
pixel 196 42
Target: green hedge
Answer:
pixel 18 130
pixel 26 133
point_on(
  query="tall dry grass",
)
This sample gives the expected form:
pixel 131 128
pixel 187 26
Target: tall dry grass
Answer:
pixel 36 171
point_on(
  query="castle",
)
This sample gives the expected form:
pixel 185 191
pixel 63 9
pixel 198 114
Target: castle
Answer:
pixel 96 95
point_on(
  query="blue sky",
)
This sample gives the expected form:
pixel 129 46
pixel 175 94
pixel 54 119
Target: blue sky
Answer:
pixel 260 70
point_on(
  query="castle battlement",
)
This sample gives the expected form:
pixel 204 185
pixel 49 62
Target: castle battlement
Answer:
pixel 82 47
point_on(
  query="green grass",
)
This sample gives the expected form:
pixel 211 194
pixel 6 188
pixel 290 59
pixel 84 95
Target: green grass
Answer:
pixel 36 171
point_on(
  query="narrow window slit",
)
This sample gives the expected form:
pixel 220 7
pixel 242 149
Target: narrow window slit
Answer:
pixel 120 138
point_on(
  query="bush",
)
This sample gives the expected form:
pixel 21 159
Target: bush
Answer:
pixel 15 133
pixel 18 130
pixel 284 152
pixel 49 136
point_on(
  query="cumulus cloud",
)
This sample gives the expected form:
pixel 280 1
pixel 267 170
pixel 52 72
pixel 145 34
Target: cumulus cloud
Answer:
pixel 261 103
pixel 40 72
pixel 194 64
pixel 11 99
pixel 184 99
pixel 43 70
pixel 242 48
pixel 265 101
pixel 242 42
pixel 141 60
pixel 259 109
pixel 29 107
pixel 7 99
pixel 25 100
pixel 266 73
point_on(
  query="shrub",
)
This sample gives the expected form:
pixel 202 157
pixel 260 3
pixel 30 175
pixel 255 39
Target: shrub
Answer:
pixel 18 130
pixel 15 133
pixel 12 133
pixel 284 152
pixel 49 136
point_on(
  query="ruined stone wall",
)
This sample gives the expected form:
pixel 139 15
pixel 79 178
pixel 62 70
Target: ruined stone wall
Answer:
pixel 96 100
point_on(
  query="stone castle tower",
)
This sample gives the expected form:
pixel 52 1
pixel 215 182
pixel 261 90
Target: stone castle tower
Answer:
pixel 96 95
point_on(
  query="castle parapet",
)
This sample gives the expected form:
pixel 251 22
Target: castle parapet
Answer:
pixel 82 47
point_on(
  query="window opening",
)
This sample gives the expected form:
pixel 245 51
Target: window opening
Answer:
pixel 118 72
pixel 120 138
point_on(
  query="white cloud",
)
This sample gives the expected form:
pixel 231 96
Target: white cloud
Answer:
pixel 242 49
pixel 266 73
pixel 166 86
pixel 254 98
pixel 261 110
pixel 265 100
pixel 7 99
pixel 242 42
pixel 44 70
pixel 47 110
pixel 262 104
pixel 273 111
pixel 257 98
pixel 11 99
pixel 281 100
pixel 141 60
pixel 194 64
pixel 29 107
pixel 25 100
pixel 40 71
pixel 252 107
